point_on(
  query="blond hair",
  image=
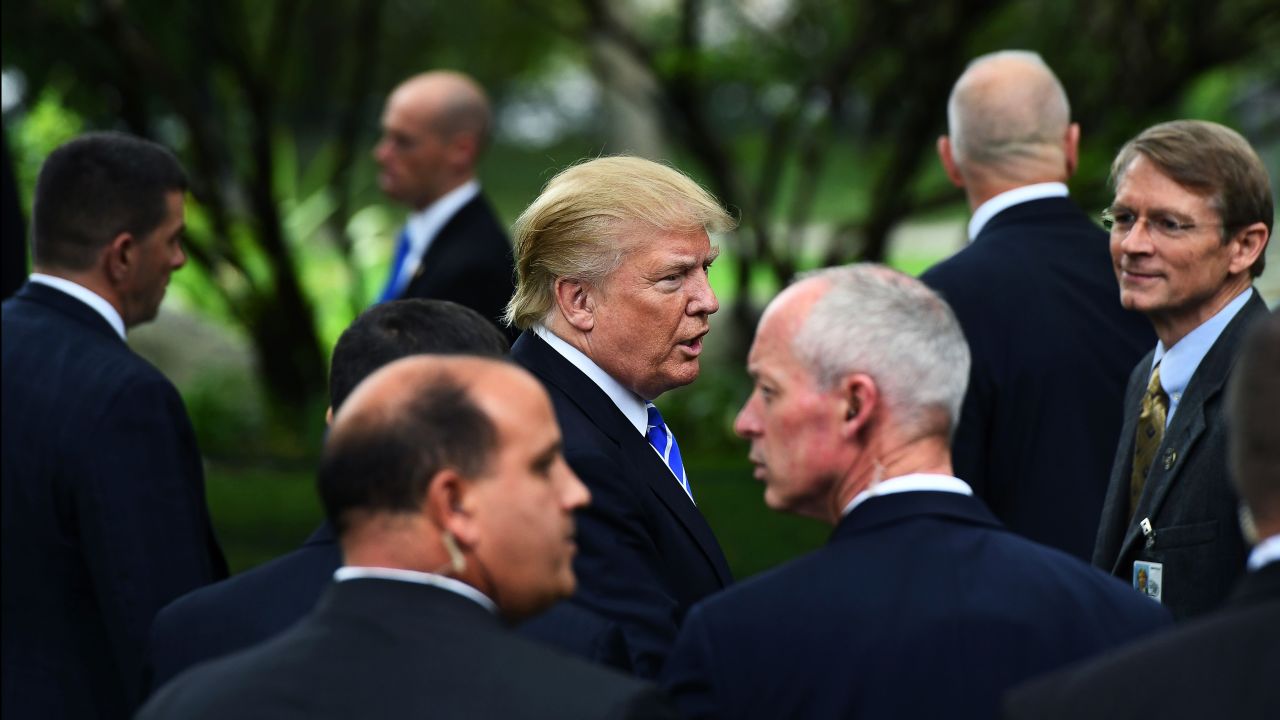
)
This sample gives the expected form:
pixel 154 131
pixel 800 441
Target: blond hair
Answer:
pixel 586 219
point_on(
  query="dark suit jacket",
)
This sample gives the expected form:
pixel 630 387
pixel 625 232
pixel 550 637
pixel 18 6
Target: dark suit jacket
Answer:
pixel 645 553
pixel 920 606
pixel 1221 666
pixel 104 509
pixel 259 604
pixel 1052 348
pixel 381 648
pixel 1188 494
pixel 469 262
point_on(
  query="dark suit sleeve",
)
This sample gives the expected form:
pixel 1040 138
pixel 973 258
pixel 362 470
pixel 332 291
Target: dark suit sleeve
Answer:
pixel 142 516
pixel 619 567
pixel 687 676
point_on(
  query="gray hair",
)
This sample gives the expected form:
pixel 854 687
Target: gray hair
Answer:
pixel 1006 107
pixel 878 321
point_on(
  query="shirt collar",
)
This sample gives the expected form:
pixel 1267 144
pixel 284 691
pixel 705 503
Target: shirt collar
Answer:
pixel 351 572
pixel 1179 363
pixel 1265 553
pixel 86 296
pixel 425 224
pixel 631 405
pixel 910 483
pixel 1008 199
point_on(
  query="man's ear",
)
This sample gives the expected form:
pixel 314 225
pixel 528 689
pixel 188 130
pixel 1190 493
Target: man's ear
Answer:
pixel 119 257
pixel 859 403
pixel 575 300
pixel 447 505
pixel 1071 148
pixel 949 161
pixel 1248 245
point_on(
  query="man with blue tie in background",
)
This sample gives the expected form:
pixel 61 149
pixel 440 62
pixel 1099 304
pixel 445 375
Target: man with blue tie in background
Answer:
pixel 434 128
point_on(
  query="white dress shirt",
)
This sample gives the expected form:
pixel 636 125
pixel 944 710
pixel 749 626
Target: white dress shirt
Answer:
pixel 914 482
pixel 1008 199
pixel 631 406
pixel 1265 553
pixel 86 296
pixel 1179 363
pixel 353 572
pixel 424 225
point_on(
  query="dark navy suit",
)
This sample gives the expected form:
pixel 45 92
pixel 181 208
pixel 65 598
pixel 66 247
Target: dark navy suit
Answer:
pixel 1188 497
pixel 1223 665
pixel 104 510
pixel 1052 349
pixel 263 602
pixel 377 648
pixel 645 553
pixel 469 262
pixel 920 606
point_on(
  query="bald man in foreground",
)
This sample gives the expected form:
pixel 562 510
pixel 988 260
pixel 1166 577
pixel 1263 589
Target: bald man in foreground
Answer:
pixel 434 128
pixel 453 504
pixel 1035 294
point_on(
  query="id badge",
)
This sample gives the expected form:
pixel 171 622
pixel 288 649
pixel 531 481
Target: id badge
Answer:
pixel 1148 578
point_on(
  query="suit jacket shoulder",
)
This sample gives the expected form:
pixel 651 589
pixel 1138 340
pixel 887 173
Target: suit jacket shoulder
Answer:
pixel 645 552
pixel 914 587
pixel 469 262
pixel 378 648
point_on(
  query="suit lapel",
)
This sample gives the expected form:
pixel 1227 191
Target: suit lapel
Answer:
pixel 532 352
pixel 1190 420
pixel 1115 523
pixel 446 236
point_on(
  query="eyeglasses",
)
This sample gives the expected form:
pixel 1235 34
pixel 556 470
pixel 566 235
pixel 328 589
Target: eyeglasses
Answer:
pixel 1122 222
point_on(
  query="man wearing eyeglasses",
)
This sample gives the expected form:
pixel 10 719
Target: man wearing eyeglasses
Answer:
pixel 1189 226
pixel 1036 297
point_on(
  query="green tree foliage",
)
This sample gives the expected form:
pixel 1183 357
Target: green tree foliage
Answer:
pixel 272 106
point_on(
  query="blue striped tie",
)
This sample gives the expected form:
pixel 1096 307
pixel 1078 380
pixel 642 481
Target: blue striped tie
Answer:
pixel 393 289
pixel 660 437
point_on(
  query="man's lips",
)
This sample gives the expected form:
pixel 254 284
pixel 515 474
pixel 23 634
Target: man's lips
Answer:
pixel 1138 276
pixel 694 345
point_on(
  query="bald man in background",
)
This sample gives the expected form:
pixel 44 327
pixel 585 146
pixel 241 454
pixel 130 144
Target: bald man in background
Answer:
pixel 1036 296
pixel 434 128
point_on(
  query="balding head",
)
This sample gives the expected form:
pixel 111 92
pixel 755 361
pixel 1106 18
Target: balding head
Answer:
pixel 1009 123
pixel 453 464
pixel 434 127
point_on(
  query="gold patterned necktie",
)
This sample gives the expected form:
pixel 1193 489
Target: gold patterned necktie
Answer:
pixel 1155 406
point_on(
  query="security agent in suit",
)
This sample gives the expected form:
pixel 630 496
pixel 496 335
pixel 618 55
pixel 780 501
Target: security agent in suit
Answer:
pixel 256 605
pixel 921 605
pixel 1189 226
pixel 1224 664
pixel 103 492
pixel 613 298
pixel 1035 295
pixel 434 127
pixel 445 483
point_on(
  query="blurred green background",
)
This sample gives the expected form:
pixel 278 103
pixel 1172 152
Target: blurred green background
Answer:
pixel 813 120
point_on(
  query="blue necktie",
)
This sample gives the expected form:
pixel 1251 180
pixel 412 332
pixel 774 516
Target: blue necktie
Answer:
pixel 392 290
pixel 660 437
